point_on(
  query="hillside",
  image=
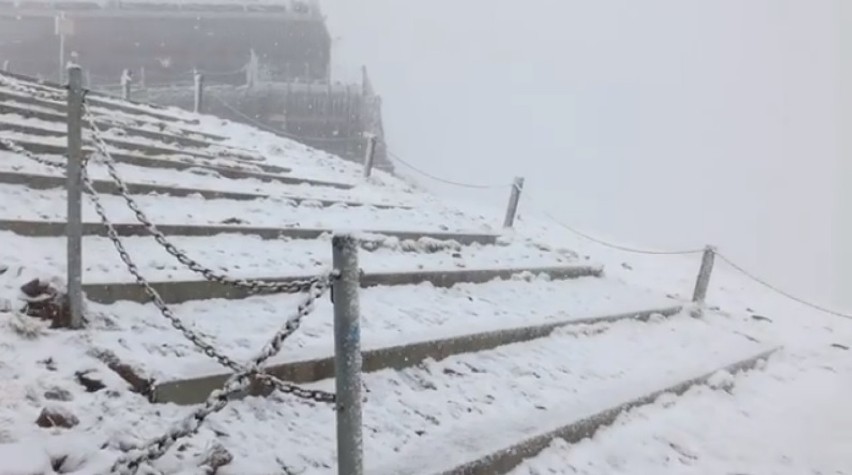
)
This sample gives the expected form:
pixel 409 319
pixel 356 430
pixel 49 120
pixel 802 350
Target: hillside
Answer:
pixel 476 338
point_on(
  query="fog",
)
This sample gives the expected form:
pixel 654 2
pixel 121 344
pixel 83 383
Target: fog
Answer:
pixel 658 123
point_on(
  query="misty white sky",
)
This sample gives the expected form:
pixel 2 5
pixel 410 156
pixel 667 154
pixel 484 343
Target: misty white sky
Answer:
pixel 663 123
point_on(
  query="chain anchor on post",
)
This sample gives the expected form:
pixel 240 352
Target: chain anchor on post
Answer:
pixel 74 229
pixel 514 199
pixel 347 355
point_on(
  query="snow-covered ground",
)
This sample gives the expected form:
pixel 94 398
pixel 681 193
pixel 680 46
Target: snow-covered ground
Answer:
pixel 789 416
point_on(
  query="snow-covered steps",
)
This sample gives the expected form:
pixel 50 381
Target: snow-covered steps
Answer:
pixel 184 138
pixel 56 146
pixel 19 203
pixel 506 459
pixel 468 407
pixel 121 140
pixel 183 291
pixel 240 255
pixel 463 407
pixel 46 182
pixel 390 317
pixel 57 228
pixel 196 390
pixel 24 90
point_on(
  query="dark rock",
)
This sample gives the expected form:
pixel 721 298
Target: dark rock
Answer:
pixel 3 268
pixel 233 221
pixel 58 394
pixel 49 364
pixel 761 318
pixel 626 266
pixel 216 457
pixel 137 380
pixel 46 302
pixel 839 346
pixel 91 384
pixel 56 417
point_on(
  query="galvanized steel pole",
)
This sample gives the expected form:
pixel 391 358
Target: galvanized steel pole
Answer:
pixel 74 229
pixel 125 84
pixel 514 199
pixel 347 355
pixel 6 67
pixel 370 155
pixel 703 281
pixel 199 87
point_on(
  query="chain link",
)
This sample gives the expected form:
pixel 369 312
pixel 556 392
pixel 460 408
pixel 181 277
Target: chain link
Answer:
pixel 22 151
pixel 218 399
pixel 254 286
pixel 244 374
pixel 37 92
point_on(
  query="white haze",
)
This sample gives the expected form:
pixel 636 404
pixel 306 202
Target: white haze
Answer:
pixel 663 123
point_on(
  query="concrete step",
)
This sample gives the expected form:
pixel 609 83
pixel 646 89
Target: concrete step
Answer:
pixel 103 100
pixel 56 229
pixel 15 98
pixel 144 161
pixel 196 390
pixel 45 182
pixel 60 118
pixel 505 459
pixel 145 149
pixel 184 291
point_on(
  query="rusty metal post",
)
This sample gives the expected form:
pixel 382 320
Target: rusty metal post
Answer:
pixel 703 280
pixel 514 199
pixel 199 88
pixel 74 227
pixel 347 355
pixel 370 155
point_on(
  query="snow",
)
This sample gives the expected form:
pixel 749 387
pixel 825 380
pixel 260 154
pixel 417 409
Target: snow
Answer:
pixel 258 257
pixel 789 416
pixel 787 419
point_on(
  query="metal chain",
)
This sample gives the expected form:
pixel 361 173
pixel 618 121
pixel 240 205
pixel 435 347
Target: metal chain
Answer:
pixel 244 374
pixel 254 286
pixel 8 143
pixel 164 309
pixel 218 399
pixel 19 86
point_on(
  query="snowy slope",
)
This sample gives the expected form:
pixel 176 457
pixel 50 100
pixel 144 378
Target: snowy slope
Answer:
pixel 417 420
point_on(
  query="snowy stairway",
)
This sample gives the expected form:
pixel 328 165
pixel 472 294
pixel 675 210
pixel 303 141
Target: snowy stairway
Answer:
pixel 142 150
pixel 476 347
pixel 45 182
pixel 40 147
pixel 195 390
pixel 179 292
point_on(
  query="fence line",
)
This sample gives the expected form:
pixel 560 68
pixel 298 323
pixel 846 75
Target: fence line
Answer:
pixel 782 292
pixel 619 247
pixel 721 256
pixel 399 159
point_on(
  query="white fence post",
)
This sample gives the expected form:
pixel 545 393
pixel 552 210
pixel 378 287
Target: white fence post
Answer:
pixel 347 355
pixel 703 280
pixel 126 80
pixel 74 229
pixel 370 155
pixel 199 88
pixel 514 199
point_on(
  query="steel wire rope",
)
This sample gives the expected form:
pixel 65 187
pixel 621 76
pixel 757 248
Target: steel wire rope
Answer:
pixel 399 159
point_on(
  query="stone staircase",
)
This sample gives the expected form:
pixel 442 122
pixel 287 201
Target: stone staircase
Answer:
pixel 479 347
